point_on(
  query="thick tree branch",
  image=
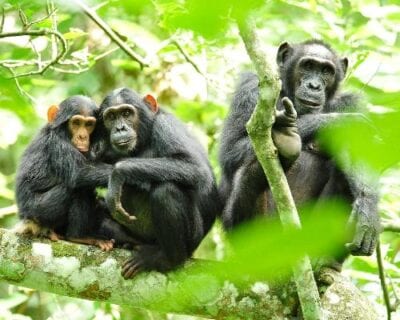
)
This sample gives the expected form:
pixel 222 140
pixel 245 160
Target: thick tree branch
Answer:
pixel 86 272
pixel 110 33
pixel 259 129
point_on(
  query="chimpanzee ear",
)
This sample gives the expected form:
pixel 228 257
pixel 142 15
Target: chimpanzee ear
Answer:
pixel 152 102
pixel 284 50
pixel 52 113
pixel 345 63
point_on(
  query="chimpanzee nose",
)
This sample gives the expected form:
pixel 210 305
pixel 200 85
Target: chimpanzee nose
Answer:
pixel 313 85
pixel 120 128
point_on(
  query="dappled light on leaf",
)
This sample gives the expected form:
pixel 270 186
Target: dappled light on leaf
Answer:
pixel 371 139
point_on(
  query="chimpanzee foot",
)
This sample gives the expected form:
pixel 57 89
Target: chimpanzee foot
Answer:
pixel 146 258
pixel 131 268
pixel 54 236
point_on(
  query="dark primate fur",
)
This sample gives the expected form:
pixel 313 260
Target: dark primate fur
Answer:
pixel 55 184
pixel 167 183
pixel 313 175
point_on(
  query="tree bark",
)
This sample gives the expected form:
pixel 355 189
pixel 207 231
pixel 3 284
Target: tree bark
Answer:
pixel 259 130
pixel 86 272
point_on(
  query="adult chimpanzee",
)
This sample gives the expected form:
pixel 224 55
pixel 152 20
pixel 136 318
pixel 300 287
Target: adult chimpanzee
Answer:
pixel 162 177
pixel 311 73
pixel 55 185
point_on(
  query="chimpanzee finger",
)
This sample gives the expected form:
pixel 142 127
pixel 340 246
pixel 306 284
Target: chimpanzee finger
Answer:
pixel 366 244
pixel 372 245
pixel 289 107
pixel 355 245
pixel 122 212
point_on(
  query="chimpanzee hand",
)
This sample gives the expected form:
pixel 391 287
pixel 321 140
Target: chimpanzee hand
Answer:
pixel 113 200
pixel 365 220
pixel 284 132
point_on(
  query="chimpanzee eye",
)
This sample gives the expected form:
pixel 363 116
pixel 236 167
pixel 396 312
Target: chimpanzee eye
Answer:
pixel 89 124
pixel 327 70
pixel 126 113
pixel 307 65
pixel 111 116
pixel 76 122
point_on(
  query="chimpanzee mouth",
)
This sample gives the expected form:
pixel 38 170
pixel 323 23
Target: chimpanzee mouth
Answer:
pixel 122 143
pixel 82 148
pixel 309 103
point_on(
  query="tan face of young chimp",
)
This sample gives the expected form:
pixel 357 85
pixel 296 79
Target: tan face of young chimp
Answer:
pixel 80 128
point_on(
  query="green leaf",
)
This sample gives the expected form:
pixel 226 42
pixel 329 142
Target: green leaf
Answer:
pixel 74 33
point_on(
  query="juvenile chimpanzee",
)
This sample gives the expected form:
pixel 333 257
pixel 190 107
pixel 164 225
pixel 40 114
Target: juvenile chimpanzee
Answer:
pixel 162 177
pixel 311 73
pixel 55 185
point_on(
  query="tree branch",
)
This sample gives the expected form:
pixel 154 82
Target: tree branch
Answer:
pixel 390 226
pixel 86 272
pixel 110 33
pixel 259 130
pixel 382 279
pixel 187 58
pixel 38 33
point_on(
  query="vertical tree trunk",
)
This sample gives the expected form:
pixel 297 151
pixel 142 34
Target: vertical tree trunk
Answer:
pixel 259 130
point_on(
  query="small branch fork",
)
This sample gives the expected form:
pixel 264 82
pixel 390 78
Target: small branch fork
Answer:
pixel 110 33
pixel 43 67
pixel 59 43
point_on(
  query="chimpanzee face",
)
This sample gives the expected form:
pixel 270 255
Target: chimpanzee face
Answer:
pixel 312 72
pixel 80 129
pixel 76 117
pixel 122 122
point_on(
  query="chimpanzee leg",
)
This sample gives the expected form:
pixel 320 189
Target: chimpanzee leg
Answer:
pixel 173 215
pixel 248 183
pixel 107 228
pixel 82 220
pixel 48 208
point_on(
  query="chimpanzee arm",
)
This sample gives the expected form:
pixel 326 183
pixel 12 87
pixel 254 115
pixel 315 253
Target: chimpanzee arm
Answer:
pixel 94 174
pixel 343 106
pixel 364 216
pixel 234 156
pixel 309 124
pixel 139 171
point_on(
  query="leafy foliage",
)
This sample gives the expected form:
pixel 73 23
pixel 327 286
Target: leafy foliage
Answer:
pixel 194 55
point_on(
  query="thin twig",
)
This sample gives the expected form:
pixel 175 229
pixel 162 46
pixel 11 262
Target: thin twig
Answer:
pixel 391 226
pixel 3 18
pixel 110 33
pixel 19 87
pixel 69 71
pixel 383 281
pixel 187 58
pixel 38 33
pixel 396 303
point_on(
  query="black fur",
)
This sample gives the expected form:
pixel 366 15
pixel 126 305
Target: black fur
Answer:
pixel 243 182
pixel 167 183
pixel 55 184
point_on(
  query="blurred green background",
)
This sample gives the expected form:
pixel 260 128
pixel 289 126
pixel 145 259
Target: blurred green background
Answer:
pixel 194 54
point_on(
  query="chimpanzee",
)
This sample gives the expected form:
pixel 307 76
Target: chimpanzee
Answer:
pixel 311 73
pixel 162 177
pixel 56 181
